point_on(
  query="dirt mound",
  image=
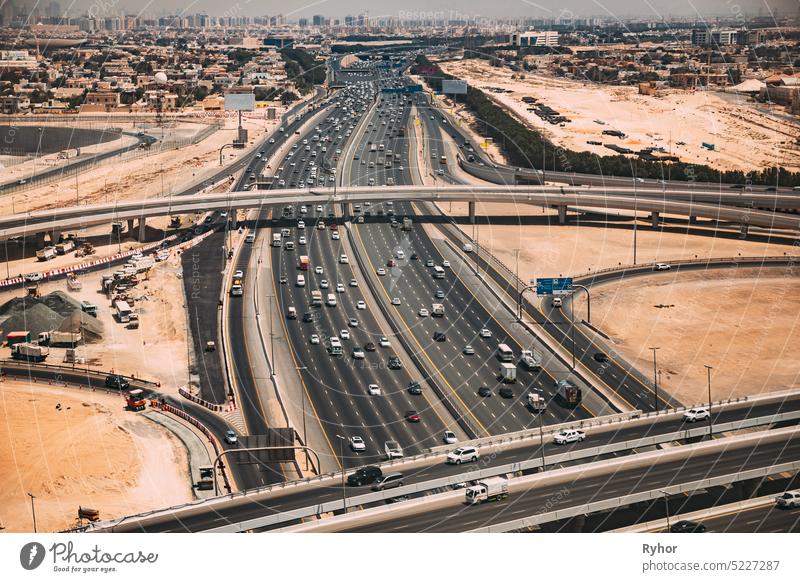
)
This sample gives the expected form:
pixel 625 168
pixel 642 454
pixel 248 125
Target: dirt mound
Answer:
pixel 53 311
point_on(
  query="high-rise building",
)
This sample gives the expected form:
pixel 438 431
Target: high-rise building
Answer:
pixel 318 20
pixel 533 38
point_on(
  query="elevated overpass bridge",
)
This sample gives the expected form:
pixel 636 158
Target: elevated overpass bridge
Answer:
pixel 699 204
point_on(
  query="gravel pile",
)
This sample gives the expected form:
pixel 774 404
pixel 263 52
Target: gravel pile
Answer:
pixel 56 310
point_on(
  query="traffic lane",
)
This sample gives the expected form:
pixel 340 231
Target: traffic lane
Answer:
pixel 329 380
pixel 395 399
pixel 384 409
pixel 482 367
pixel 619 483
pixel 767 519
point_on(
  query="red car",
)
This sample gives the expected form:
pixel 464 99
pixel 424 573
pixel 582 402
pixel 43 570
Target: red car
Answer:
pixel 334 226
pixel 391 263
pixel 412 416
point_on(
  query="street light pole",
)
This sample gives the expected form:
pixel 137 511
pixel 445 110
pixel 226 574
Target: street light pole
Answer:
pixel 341 457
pixel 541 438
pixel 300 368
pixel 655 374
pixel 666 506
pixel 33 511
pixel 710 420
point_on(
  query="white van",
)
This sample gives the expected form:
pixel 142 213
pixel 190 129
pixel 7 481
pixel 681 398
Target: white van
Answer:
pixel 331 300
pixel 301 281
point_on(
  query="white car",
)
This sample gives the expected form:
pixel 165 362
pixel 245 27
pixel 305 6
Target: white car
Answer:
pixel 352 322
pixel 449 437
pixel 314 340
pixel 695 414
pixel 358 353
pixel 486 332
pixel 383 342
pixel 381 272
pixel 353 283
pixel 662 267
pixel 357 444
pixel 343 259
pixel 373 390
pixel 788 499
pixel 231 438
pixel 345 334
pixel 339 288
pixel 569 435
pixel 319 208
pixel 324 284
pixel 302 240
pixel 301 225
pixel 423 312
pixel 361 305
pixel 446 264
pixel 33 277
pixel 318 270
pixel 395 301
pixel 335 235
pixel 463 455
pixel 238 274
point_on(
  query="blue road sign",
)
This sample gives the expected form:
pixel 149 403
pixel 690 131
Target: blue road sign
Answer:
pixel 554 286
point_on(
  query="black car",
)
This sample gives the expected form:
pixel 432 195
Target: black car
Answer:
pixel 414 257
pixel 484 391
pixel 506 392
pixel 395 363
pixel 117 382
pixel 369 347
pixel 600 357
pixel 308 317
pixel 686 526
pixel 414 388
pixel 439 336
pixel 364 476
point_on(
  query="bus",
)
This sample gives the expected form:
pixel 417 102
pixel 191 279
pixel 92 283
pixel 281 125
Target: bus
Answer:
pixel 276 239
pixel 305 262
pixel 504 353
pixel 438 272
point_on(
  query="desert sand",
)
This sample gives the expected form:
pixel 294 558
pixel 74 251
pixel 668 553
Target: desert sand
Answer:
pixel 91 452
pixel 745 324
pixel 692 117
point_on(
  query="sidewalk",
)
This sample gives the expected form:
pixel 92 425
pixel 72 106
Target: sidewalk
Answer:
pixel 196 450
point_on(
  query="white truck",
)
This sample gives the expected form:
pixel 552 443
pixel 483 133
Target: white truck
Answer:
pixel 60 338
pixel 437 310
pixel 508 373
pixel 65 247
pixel 393 450
pixel 406 223
pixel 276 239
pixel 29 352
pixel 531 359
pixel 536 402
pixel 490 489
pixel 46 253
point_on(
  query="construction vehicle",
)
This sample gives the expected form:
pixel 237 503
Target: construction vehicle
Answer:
pixel 29 352
pixel 490 489
pixel 134 400
pixel 568 393
pixel 175 222
pixel 17 337
pixel 531 359
pixel 88 513
pixel 536 402
pixel 59 338
pixel 85 250
pixel 46 253
pixel 508 373
pixel 73 283
pixel 65 247
pixel 89 308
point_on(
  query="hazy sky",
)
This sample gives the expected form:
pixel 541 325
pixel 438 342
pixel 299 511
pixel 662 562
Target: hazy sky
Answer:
pixel 470 8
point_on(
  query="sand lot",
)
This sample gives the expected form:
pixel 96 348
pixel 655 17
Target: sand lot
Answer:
pixel 91 452
pixel 761 139
pixel 745 324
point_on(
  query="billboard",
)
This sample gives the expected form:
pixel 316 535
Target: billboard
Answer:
pixel 240 102
pixel 554 286
pixel 454 87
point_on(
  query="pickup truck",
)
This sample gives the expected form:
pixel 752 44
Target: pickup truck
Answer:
pixel 393 450
pixel 490 489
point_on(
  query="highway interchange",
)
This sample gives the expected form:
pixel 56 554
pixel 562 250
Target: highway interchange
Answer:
pixel 358 401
